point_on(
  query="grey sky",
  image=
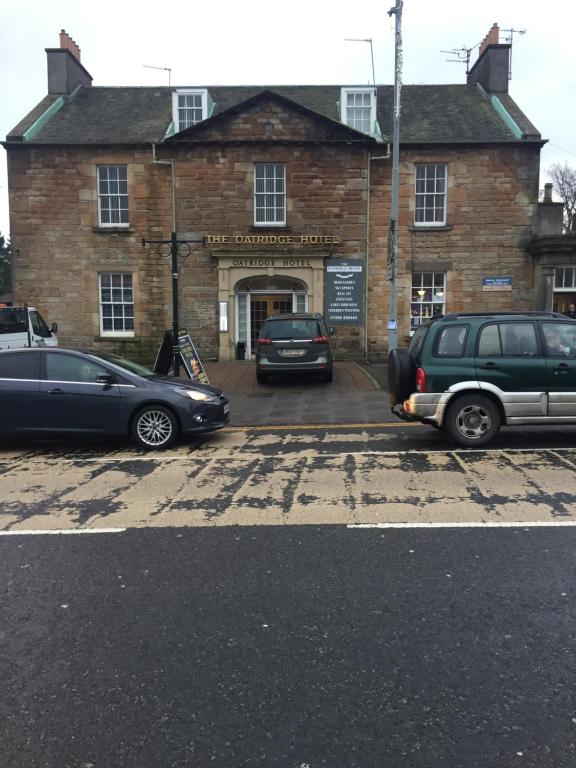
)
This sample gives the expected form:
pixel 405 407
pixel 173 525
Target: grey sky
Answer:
pixel 300 42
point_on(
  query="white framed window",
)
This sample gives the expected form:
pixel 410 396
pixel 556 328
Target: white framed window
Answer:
pixel 565 279
pixel 299 302
pixel 113 196
pixel 428 299
pixel 431 186
pixel 116 304
pixel 189 107
pixel 269 194
pixel 358 108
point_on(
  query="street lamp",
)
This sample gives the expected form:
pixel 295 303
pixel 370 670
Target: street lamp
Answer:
pixel 393 319
pixel 176 249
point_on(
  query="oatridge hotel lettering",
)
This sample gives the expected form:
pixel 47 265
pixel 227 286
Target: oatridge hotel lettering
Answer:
pixel 272 239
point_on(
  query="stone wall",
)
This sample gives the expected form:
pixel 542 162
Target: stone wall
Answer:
pixel 59 248
pixel 491 215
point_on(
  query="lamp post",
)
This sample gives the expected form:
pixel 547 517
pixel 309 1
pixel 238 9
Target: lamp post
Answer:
pixel 174 248
pixel 393 319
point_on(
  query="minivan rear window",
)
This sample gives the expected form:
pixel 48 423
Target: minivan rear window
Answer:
pixel 281 330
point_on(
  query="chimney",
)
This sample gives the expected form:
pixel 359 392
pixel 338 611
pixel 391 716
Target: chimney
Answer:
pixel 65 72
pixel 67 42
pixel 550 214
pixel 492 65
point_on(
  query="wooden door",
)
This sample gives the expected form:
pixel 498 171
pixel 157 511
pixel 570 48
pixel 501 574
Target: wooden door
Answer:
pixel 262 307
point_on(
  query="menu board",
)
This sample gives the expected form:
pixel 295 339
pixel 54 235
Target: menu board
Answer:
pixel 188 356
pixel 191 359
pixel 344 291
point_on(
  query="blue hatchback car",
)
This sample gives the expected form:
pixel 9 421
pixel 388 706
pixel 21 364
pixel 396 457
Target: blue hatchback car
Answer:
pixel 81 392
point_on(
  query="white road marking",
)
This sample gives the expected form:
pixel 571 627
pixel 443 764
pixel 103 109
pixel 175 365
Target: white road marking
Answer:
pixel 472 524
pixel 61 532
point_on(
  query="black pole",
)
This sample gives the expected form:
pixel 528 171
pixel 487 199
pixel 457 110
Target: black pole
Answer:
pixel 175 321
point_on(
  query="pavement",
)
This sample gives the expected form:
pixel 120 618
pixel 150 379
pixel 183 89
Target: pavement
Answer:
pixel 356 395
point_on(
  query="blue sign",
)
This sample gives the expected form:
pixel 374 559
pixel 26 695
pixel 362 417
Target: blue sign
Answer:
pixel 496 283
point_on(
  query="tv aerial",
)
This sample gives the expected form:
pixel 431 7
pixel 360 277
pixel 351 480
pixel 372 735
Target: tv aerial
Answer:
pixel 165 69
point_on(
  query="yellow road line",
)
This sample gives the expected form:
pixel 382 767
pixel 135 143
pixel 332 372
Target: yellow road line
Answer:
pixel 370 425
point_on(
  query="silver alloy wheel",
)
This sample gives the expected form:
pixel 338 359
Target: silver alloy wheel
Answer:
pixel 472 421
pixel 154 428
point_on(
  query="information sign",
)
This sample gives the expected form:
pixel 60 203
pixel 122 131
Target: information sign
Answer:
pixel 344 291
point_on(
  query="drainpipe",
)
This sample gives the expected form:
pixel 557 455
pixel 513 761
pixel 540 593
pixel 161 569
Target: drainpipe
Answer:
pixel 171 164
pixel 370 158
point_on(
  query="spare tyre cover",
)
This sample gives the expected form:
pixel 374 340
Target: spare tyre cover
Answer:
pixel 401 376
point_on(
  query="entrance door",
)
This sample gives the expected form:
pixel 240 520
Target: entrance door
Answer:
pixel 262 306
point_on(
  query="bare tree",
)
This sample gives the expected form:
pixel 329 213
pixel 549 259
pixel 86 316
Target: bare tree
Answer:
pixel 564 179
pixel 5 265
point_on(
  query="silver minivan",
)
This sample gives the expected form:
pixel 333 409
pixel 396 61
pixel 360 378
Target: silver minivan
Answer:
pixel 294 343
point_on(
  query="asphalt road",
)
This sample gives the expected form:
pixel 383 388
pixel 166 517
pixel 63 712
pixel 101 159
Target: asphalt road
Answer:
pixel 296 646
pixel 241 615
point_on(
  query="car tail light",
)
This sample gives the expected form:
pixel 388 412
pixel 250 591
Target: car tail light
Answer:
pixel 420 380
pixel 263 340
pixel 320 340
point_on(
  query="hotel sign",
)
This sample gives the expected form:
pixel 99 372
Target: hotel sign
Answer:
pixel 272 240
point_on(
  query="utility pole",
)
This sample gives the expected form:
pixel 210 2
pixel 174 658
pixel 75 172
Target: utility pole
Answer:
pixel 174 248
pixel 393 318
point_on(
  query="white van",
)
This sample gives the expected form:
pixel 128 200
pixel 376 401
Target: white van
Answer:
pixel 25 327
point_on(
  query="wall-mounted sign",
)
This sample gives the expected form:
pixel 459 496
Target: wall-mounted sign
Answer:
pixel 272 239
pixel 276 262
pixel 496 283
pixel 344 291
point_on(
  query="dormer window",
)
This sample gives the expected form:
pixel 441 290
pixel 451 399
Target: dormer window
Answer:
pixel 189 107
pixel 358 108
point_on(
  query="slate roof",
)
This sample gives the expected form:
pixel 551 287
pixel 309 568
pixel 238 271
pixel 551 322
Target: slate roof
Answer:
pixel 452 114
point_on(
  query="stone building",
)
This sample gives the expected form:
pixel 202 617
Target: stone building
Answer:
pixel 283 196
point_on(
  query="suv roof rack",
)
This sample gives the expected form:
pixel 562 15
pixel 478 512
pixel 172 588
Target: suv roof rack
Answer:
pixel 457 315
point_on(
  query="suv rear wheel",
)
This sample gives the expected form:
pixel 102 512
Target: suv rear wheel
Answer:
pixel 472 420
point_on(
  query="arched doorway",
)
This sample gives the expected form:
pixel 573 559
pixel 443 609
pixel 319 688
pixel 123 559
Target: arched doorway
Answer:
pixel 258 297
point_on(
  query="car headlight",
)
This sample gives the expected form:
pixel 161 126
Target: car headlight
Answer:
pixel 194 394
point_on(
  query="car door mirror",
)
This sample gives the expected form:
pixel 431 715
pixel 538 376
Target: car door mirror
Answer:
pixel 105 378
pixel 54 328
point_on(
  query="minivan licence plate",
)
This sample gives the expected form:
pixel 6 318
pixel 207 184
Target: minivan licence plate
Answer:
pixel 292 352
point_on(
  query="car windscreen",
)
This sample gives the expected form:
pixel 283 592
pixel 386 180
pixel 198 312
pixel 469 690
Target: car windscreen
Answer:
pixel 38 325
pixel 128 365
pixel 280 330
pixel 13 320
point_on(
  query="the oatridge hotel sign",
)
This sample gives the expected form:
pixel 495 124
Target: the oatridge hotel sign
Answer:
pixel 272 239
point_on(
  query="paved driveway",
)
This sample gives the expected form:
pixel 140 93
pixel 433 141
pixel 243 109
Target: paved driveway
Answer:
pixel 240 376
pixel 354 396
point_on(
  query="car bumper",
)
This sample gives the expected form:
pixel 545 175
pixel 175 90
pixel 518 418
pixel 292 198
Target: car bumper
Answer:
pixel 427 407
pixel 266 366
pixel 206 417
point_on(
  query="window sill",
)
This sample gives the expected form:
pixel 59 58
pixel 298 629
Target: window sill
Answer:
pixel 260 227
pixel 428 228
pixel 113 230
pixel 115 338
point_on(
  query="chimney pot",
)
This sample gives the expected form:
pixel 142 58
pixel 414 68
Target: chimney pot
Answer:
pixel 548 193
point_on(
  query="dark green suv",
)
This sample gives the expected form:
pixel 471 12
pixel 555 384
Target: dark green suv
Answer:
pixel 469 374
